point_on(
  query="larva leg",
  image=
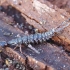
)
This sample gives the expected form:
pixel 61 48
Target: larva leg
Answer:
pixel 20 48
pixel 18 45
pixel 15 47
pixel 32 48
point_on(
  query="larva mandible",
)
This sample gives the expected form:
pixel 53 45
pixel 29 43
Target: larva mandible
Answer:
pixel 39 37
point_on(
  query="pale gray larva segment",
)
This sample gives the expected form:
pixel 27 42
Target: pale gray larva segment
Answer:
pixel 36 37
pixel 19 40
pixel 49 34
pixel 39 37
pixel 24 39
pixel 13 42
pixel 31 38
pixel 43 36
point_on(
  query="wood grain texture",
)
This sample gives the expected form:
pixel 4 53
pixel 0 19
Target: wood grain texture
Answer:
pixel 44 16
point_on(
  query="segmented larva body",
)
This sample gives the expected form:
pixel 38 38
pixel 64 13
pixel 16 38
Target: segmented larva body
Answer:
pixel 38 37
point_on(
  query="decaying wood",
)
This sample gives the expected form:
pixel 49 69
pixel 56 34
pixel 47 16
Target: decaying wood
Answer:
pixel 23 58
pixel 2 1
pixel 6 18
pixel 64 4
pixel 43 16
pixel 15 54
pixel 50 57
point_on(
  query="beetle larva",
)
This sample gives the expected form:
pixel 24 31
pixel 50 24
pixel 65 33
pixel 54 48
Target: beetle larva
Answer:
pixel 39 37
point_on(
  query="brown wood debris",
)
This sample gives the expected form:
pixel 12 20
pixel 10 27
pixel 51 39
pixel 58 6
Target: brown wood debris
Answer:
pixel 2 1
pixel 50 57
pixel 64 4
pixel 6 18
pixel 42 61
pixel 15 54
pixel 44 16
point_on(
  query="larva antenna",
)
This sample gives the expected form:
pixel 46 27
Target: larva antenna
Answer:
pixel 63 25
